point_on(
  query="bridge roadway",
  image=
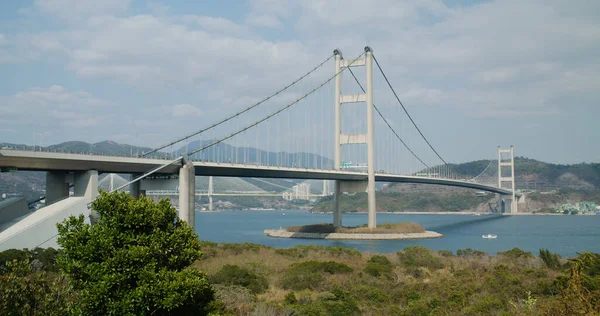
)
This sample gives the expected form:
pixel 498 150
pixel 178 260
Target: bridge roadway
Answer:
pixel 50 161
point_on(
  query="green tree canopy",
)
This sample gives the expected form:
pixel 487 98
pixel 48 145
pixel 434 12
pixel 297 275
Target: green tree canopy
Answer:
pixel 135 260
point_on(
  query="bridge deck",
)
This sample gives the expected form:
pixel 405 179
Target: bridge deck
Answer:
pixel 48 161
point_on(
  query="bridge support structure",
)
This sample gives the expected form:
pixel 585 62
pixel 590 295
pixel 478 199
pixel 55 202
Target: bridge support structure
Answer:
pixel 187 193
pixel 210 193
pixel 135 189
pixel 57 186
pixel 367 138
pixel 503 164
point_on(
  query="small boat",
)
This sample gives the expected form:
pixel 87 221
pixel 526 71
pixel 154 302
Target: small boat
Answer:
pixel 489 236
pixel 477 214
pixel 283 214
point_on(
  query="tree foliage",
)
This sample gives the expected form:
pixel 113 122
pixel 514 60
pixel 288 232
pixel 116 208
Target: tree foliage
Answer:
pixel 135 260
pixel 26 291
pixel 551 260
pixel 235 275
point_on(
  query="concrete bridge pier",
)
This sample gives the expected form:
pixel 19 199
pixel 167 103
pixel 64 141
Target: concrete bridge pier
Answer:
pixel 135 188
pixel 57 186
pixel 337 210
pixel 210 193
pixel 86 184
pixel 187 193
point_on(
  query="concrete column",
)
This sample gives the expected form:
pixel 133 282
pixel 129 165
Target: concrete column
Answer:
pixel 513 205
pixel 187 193
pixel 134 188
pixel 372 222
pixel 57 187
pixel 499 168
pixel 337 159
pixel 337 212
pixel 86 184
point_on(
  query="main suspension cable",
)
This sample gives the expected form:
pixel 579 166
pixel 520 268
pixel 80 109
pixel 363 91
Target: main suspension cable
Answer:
pixel 241 112
pixel 407 114
pixel 387 123
pixel 274 113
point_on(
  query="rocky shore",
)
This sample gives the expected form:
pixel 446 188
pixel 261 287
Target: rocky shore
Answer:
pixel 282 233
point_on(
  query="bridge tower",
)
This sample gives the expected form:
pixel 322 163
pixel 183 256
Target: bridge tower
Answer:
pixel 210 193
pixel 364 138
pixel 510 163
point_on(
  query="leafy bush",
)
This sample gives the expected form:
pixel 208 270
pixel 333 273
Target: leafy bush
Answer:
pixel 517 253
pixel 301 251
pixel 240 248
pixel 135 260
pixel 44 257
pixel 290 298
pixel 378 265
pixel 445 253
pixel 419 256
pixel 309 274
pixel 235 275
pixel 469 253
pixel 551 260
pixel 25 291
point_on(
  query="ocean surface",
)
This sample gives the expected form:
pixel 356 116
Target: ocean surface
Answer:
pixel 565 235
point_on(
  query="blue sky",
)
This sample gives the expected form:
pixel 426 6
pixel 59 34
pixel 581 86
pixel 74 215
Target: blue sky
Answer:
pixel 474 74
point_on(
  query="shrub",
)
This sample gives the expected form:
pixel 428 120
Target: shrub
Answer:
pixel 445 253
pixel 419 256
pixel 135 260
pixel 235 275
pixel 309 274
pixel 25 291
pixel 301 251
pixel 45 257
pixel 517 253
pixel 290 298
pixel 469 253
pixel 551 260
pixel 378 265
pixel 240 248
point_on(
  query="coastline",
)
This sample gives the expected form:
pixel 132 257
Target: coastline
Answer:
pixel 282 233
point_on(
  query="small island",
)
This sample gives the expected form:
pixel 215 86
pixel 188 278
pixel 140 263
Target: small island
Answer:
pixel 385 231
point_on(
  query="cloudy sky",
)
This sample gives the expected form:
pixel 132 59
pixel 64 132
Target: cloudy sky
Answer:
pixel 474 74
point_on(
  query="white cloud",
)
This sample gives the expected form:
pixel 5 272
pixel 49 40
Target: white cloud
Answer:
pixel 185 110
pixel 52 107
pixel 269 13
pixel 494 59
pixel 79 10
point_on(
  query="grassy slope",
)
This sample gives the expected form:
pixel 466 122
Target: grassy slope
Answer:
pixel 415 281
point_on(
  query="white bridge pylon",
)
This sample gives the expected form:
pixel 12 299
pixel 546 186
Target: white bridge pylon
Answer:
pixel 367 137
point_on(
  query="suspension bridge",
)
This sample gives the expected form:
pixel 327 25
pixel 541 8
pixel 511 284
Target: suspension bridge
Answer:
pixel 324 125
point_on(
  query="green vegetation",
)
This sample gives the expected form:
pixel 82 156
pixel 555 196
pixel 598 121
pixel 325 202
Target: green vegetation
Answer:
pixel 385 228
pixel 141 259
pixel 309 274
pixel 256 280
pixel 379 266
pixel 302 251
pixel 236 275
pixel 135 260
pixel 551 260
pixel 400 202
pixel 414 281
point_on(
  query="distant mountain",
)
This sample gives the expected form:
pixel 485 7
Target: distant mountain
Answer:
pixel 535 174
pixel 106 147
pixel 227 153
